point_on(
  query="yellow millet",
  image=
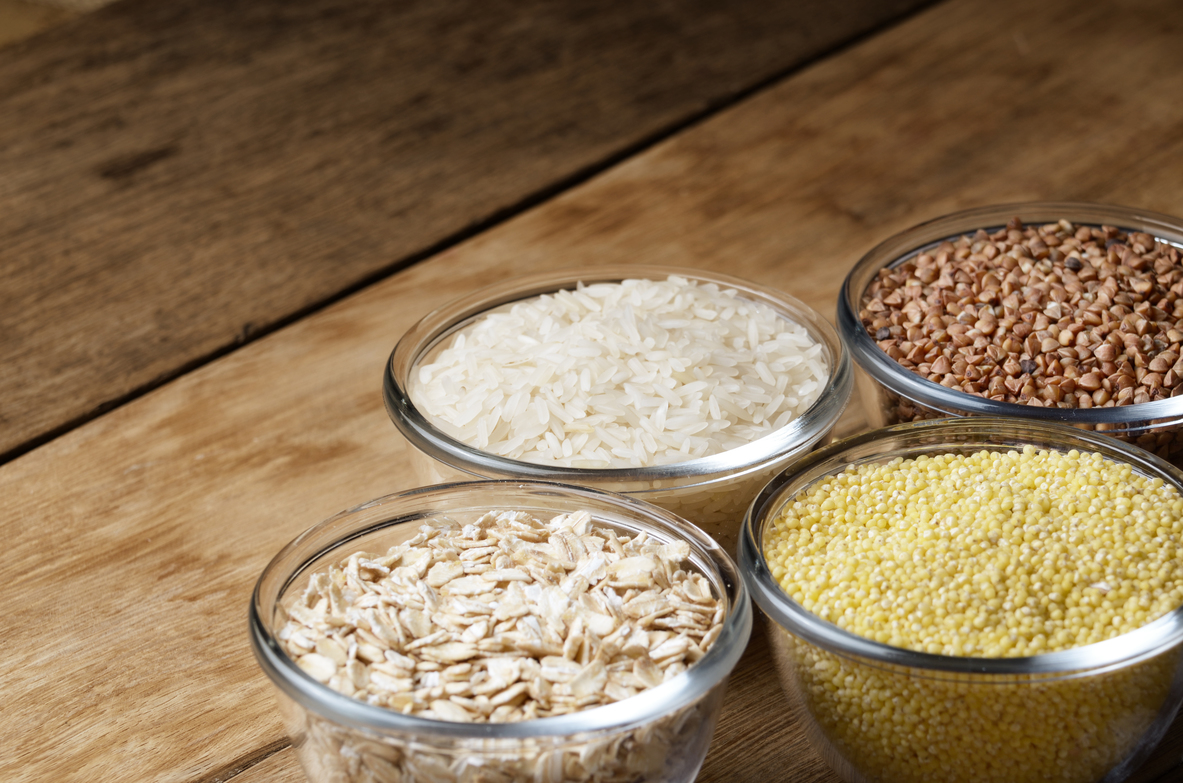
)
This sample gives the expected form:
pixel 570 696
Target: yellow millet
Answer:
pixel 895 726
pixel 992 554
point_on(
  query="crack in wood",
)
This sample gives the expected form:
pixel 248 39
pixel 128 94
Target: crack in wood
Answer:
pixel 124 166
pixel 245 762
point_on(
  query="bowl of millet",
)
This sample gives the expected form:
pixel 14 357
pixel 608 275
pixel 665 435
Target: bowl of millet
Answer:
pixel 683 388
pixel 1062 312
pixel 974 600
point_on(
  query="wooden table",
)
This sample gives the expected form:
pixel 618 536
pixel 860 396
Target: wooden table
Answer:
pixel 217 218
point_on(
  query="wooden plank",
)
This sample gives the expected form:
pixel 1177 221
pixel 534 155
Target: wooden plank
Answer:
pixel 176 178
pixel 744 749
pixel 133 541
pixel 279 767
pixel 20 19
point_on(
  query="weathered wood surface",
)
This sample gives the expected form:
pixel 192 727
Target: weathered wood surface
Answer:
pixel 178 177
pixel 133 542
pixel 20 19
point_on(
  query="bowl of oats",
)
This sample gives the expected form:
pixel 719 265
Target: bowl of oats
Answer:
pixel 500 630
pixel 1055 312
pixel 683 388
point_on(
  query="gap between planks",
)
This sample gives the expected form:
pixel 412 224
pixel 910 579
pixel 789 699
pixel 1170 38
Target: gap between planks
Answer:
pixel 494 219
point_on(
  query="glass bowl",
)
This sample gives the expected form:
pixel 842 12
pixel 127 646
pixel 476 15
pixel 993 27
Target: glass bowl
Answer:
pixel 660 734
pixel 711 492
pixel 882 713
pixel 890 393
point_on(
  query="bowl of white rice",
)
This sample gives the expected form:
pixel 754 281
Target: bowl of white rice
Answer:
pixel 684 388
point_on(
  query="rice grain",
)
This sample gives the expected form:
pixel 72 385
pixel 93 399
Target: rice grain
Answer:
pixel 619 375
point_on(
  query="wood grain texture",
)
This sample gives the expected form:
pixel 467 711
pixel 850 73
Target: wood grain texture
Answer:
pixel 133 541
pixel 281 767
pixel 176 177
pixel 20 19
pixel 747 750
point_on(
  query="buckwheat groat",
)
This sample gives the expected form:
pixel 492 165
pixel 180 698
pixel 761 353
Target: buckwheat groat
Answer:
pixel 1051 315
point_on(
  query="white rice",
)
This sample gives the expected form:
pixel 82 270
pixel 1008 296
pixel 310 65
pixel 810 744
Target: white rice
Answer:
pixel 620 375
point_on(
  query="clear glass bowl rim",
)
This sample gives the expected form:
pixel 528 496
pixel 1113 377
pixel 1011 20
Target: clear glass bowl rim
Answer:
pixel 795 437
pixel 931 436
pixel 898 248
pixel 410 506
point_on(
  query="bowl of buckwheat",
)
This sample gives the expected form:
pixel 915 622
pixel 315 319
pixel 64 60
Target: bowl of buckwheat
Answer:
pixel 500 631
pixel 1060 312
pixel 975 600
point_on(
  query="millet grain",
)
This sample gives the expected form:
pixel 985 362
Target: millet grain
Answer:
pixel 988 555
